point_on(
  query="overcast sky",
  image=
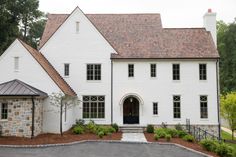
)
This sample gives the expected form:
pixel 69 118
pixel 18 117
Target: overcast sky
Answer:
pixel 174 13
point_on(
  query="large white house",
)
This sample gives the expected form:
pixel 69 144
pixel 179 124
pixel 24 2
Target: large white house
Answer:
pixel 123 68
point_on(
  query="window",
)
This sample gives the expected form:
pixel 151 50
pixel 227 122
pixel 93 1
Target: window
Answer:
pixel 93 106
pixel 131 70
pixel 3 111
pixel 176 107
pixel 155 108
pixel 153 70
pixel 202 71
pixel 16 63
pixel 77 27
pixel 66 69
pixel 203 107
pixel 93 71
pixel 176 71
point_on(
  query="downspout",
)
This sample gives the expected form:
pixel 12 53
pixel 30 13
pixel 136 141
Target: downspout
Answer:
pixel 111 92
pixel 218 95
pixel 61 108
pixel 33 110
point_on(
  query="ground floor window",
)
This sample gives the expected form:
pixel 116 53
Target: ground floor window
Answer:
pixel 155 108
pixel 3 110
pixel 176 106
pixel 93 106
pixel 203 106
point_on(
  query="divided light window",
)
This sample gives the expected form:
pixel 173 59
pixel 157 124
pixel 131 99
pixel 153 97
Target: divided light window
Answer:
pixel 153 70
pixel 131 70
pixel 176 106
pixel 66 69
pixel 202 71
pixel 93 106
pixel 155 108
pixel 93 71
pixel 203 106
pixel 3 111
pixel 176 71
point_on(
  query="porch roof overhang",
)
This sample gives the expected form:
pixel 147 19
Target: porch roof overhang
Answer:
pixel 19 88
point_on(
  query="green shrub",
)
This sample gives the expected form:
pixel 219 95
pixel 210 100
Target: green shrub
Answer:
pixel 78 130
pixel 172 132
pixel 115 126
pixel 181 133
pixel 91 127
pixel 150 128
pixel 178 127
pixel 111 130
pixel 209 144
pixel 160 132
pixel 80 122
pixel 168 137
pixel 156 137
pixel 188 138
pixel 101 134
pixel 224 150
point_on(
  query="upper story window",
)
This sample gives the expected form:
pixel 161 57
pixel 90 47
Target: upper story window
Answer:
pixel 93 71
pixel 202 71
pixel 3 111
pixel 203 106
pixel 176 106
pixel 153 70
pixel 155 108
pixel 131 70
pixel 16 63
pixel 176 71
pixel 77 26
pixel 66 69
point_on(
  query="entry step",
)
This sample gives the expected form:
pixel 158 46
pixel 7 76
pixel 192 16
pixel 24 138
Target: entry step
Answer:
pixel 132 129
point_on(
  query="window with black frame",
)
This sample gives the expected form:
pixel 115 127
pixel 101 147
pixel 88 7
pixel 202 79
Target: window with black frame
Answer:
pixel 93 71
pixel 176 106
pixel 203 107
pixel 202 71
pixel 4 111
pixel 131 70
pixel 153 70
pixel 94 107
pixel 176 71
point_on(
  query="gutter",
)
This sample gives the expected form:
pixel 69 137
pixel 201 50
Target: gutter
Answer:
pixel 33 110
pixel 111 92
pixel 218 95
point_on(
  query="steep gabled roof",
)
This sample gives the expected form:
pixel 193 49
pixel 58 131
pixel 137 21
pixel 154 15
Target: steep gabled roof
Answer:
pixel 19 88
pixel 142 36
pixel 50 70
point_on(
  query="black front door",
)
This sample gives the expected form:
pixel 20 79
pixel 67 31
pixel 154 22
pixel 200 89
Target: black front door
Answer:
pixel 131 111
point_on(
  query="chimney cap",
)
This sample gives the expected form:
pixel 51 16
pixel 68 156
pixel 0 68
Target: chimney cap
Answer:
pixel 209 10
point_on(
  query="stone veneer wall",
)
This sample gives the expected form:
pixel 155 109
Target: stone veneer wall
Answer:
pixel 19 122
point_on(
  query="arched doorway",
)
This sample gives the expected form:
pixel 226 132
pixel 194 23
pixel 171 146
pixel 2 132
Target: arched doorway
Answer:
pixel 131 110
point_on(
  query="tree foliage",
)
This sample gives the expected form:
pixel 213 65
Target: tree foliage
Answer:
pixel 228 109
pixel 18 18
pixel 226 43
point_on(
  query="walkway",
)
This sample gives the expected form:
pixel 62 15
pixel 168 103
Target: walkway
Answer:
pixel 133 137
pixel 101 149
pixel 228 131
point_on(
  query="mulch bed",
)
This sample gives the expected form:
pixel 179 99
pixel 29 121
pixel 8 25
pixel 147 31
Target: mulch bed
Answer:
pixel 56 138
pixel 195 146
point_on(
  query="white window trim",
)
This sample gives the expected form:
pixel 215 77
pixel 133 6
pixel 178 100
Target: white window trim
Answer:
pixel 92 81
pixel 131 77
pixel 151 70
pixel 66 76
pixel 204 119
pixel 199 72
pixel 155 115
pixel 2 120
pixel 177 119
pixel 179 72
pixel 77 27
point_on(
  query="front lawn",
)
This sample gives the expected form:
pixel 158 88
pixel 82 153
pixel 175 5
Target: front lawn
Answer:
pixel 227 136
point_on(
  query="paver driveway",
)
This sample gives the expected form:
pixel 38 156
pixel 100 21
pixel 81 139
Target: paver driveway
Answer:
pixel 100 149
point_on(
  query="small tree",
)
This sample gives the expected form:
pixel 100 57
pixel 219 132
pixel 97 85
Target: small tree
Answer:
pixel 228 110
pixel 61 101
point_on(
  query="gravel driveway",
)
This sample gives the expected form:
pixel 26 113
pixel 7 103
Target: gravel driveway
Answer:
pixel 100 149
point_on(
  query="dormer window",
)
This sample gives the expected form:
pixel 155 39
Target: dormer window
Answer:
pixel 77 26
pixel 16 63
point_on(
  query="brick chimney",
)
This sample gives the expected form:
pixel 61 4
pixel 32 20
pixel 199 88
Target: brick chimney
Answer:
pixel 210 23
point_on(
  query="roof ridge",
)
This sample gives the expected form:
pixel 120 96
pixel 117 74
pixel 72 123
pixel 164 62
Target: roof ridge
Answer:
pixel 186 28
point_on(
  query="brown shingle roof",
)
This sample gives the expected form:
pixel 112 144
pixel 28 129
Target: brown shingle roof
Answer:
pixel 142 36
pixel 51 71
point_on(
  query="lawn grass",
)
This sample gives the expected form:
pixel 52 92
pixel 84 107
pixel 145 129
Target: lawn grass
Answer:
pixel 228 136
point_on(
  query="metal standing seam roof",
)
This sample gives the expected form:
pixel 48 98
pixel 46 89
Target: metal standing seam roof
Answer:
pixel 19 88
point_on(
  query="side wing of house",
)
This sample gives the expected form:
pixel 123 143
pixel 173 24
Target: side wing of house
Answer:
pixel 18 63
